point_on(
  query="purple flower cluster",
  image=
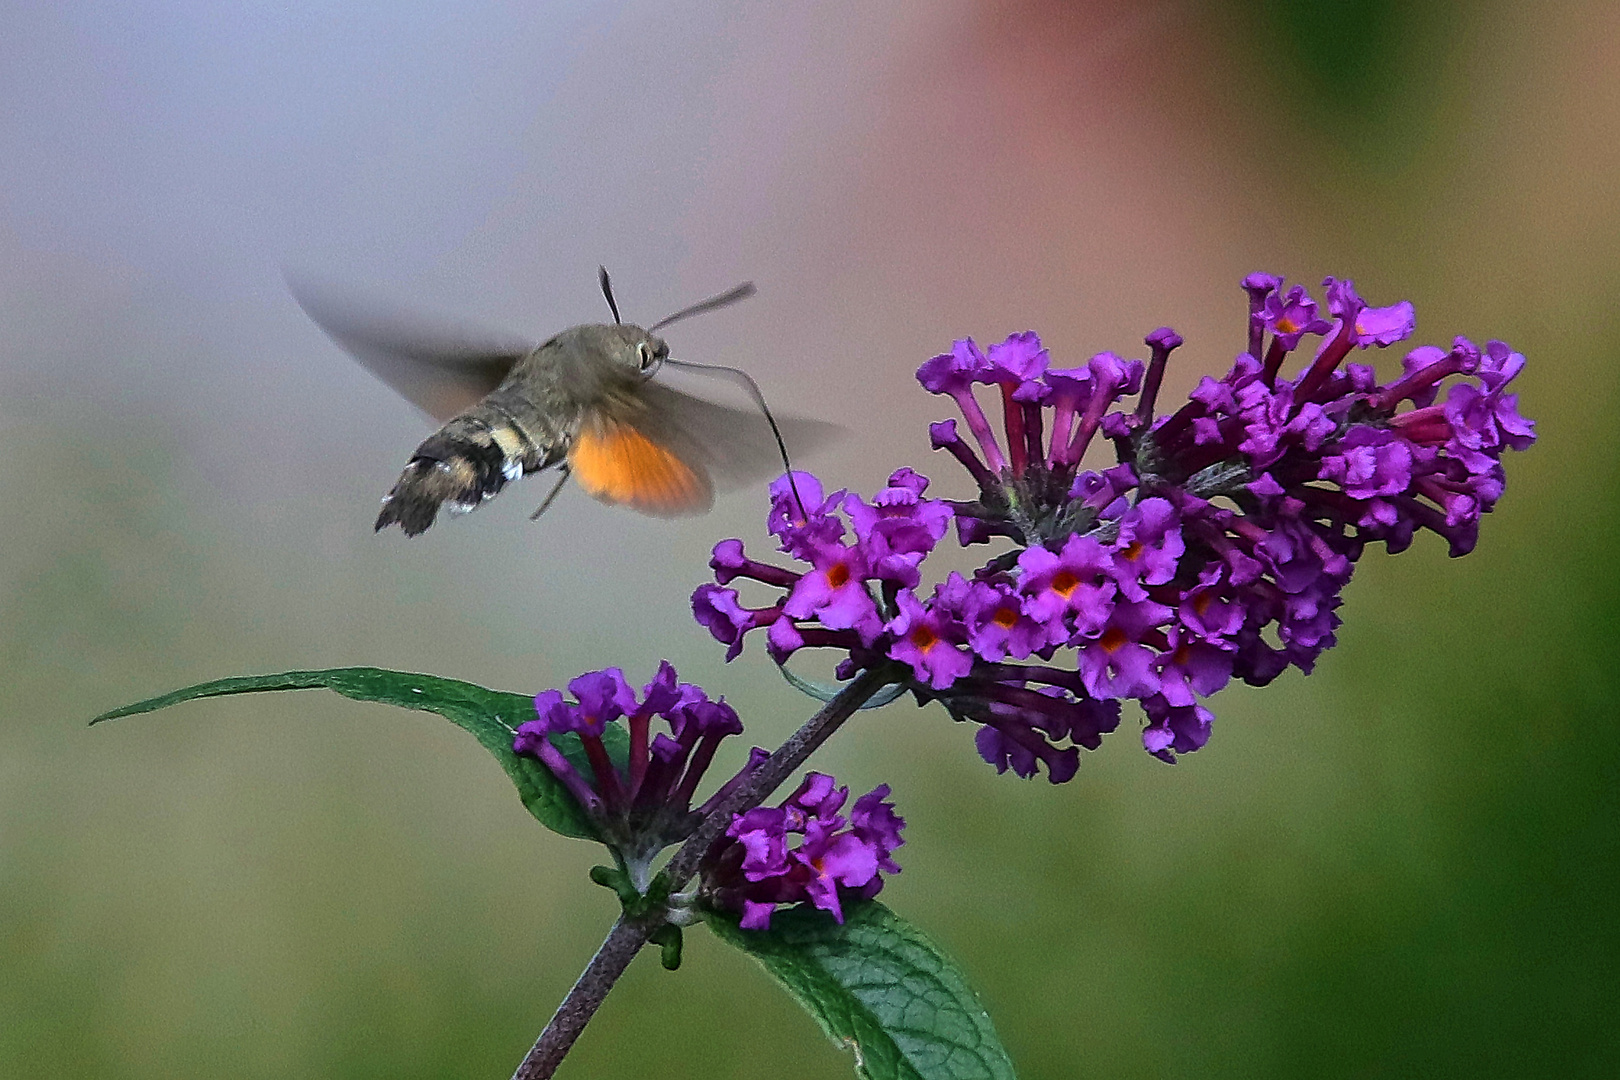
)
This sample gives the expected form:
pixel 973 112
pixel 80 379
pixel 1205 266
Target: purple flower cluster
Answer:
pixel 752 870
pixel 647 805
pixel 1215 545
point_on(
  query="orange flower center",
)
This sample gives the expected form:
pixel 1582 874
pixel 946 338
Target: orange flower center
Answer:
pixel 1113 639
pixel 1286 326
pixel 1006 618
pixel 1064 583
pixel 923 638
pixel 837 575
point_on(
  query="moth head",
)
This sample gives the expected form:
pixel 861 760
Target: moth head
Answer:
pixel 636 349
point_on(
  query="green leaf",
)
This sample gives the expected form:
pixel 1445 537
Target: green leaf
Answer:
pixel 879 988
pixel 827 691
pixel 491 716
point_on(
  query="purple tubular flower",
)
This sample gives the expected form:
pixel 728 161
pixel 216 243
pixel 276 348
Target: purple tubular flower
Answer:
pixel 995 618
pixel 1386 325
pixel 898 529
pixel 1148 548
pixel 954 373
pixel 758 867
pixel 1291 317
pixel 1024 725
pixel 645 804
pixel 1163 342
pixel 1070 591
pixel 878 826
pixel 1014 366
pixel 1112 377
pixel 1012 741
pixel 1118 663
pixel 1260 287
pixel 1174 729
pixel 835 593
pixel 719 610
pixel 801 532
pixel 1216 546
pixel 534 740
pixel 834 858
pixel 1369 463
pixel 1382 326
pixel 603 697
pixel 929 640
pixel 1192 669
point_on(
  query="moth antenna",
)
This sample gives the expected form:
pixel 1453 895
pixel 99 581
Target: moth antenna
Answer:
pixel 607 291
pixel 730 296
pixel 753 389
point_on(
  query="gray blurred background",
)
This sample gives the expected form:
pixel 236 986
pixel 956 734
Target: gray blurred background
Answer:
pixel 1401 866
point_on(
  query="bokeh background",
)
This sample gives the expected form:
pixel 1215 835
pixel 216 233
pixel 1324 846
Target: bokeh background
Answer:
pixel 1404 865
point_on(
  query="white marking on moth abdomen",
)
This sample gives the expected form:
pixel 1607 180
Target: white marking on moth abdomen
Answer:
pixel 513 446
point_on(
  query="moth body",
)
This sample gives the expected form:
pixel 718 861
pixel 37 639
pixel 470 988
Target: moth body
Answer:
pixel 589 375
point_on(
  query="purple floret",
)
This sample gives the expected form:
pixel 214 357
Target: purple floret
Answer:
pixel 930 640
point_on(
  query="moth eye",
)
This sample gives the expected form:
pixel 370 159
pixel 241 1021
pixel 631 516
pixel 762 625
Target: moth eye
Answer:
pixel 645 354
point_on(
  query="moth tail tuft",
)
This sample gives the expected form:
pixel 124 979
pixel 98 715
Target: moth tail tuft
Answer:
pixel 426 485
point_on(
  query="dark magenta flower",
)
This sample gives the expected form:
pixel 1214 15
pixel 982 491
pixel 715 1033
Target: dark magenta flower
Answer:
pixel 1118 662
pixel 954 373
pixel 1291 316
pixel 877 825
pixel 1174 729
pixel 802 532
pixel 757 867
pixel 1071 591
pixel 1148 548
pixel 930 640
pixel 834 591
pixel 1191 669
pixel 719 611
pixel 995 617
pixel 1368 326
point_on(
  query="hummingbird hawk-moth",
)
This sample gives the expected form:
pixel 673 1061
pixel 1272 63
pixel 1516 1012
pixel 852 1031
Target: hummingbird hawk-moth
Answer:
pixel 585 402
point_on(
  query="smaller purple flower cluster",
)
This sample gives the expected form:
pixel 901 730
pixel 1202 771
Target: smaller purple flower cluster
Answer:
pixel 1216 546
pixel 752 870
pixel 647 805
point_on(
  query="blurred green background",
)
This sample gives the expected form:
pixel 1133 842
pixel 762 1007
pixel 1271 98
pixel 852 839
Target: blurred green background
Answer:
pixel 1403 865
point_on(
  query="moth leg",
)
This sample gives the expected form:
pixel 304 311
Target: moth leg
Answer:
pixel 561 480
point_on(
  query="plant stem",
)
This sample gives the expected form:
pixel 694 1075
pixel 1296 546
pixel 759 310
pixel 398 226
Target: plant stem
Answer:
pixel 630 933
pixel 775 769
pixel 617 950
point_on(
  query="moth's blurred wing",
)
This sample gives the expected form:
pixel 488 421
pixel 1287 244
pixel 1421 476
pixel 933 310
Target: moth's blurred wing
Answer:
pixel 439 367
pixel 734 447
